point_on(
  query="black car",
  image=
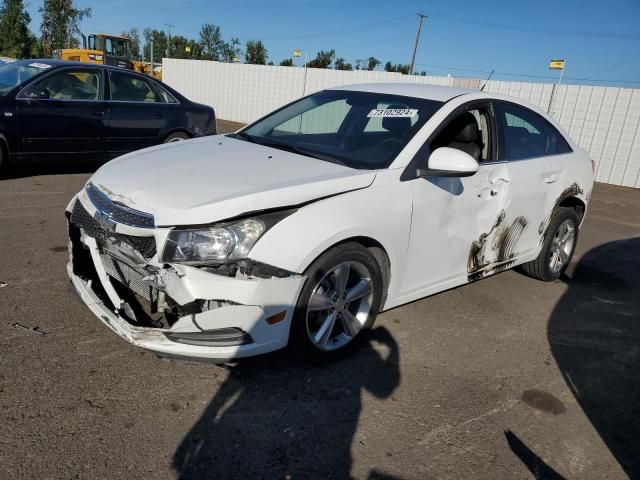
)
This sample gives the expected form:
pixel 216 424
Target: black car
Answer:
pixel 52 109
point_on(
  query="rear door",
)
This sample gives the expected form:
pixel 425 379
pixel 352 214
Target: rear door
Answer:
pixel 63 115
pixel 532 150
pixel 137 114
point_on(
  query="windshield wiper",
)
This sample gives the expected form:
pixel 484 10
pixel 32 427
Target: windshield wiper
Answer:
pixel 243 136
pixel 300 151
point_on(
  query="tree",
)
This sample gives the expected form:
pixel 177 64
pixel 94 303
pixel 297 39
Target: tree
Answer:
pixel 287 62
pixel 323 59
pixel 231 50
pixel 256 52
pixel 400 68
pixel 60 24
pixel 372 63
pixel 16 40
pixel 135 42
pixel 182 47
pixel 211 43
pixel 159 40
pixel 341 64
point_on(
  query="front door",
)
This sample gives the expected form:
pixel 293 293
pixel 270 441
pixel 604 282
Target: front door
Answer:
pixel 63 115
pixel 458 223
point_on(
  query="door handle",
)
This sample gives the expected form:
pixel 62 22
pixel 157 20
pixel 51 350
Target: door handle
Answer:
pixel 493 193
pixel 158 115
pixel 551 178
pixel 98 114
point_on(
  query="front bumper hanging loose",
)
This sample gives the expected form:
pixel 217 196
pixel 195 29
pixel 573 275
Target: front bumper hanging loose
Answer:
pixel 251 315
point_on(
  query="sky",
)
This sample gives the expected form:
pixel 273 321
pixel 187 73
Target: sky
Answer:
pixel 599 39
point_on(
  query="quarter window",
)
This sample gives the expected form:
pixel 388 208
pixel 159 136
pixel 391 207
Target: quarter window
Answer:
pixel 165 95
pixel 526 134
pixel 71 85
pixel 128 88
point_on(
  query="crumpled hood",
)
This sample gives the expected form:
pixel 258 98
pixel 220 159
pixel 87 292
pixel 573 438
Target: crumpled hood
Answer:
pixel 215 178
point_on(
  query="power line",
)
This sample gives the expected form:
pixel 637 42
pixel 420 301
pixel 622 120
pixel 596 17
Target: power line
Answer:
pixel 525 75
pixel 337 32
pixel 617 64
pixel 545 31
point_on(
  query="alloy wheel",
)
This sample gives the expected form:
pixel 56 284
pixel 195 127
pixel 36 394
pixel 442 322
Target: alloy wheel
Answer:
pixel 339 306
pixel 561 246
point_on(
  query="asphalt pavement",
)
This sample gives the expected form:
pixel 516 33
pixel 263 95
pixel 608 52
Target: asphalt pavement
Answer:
pixel 504 378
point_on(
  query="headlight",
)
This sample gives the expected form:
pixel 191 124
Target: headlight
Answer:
pixel 218 243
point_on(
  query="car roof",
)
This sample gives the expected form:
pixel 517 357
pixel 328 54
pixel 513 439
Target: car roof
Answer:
pixel 429 92
pixel 54 62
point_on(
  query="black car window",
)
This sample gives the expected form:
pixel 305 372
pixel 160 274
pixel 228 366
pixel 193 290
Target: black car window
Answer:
pixel 71 85
pixel 165 95
pixel 129 88
pixel 525 134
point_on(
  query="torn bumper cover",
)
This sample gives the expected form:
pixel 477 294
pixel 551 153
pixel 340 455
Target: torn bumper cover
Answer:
pixel 175 310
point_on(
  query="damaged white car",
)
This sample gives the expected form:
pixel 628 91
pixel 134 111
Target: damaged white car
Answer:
pixel 301 227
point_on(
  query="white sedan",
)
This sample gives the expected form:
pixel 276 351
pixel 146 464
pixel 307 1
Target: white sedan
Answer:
pixel 301 227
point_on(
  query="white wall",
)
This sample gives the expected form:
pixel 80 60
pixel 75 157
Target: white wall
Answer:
pixel 603 120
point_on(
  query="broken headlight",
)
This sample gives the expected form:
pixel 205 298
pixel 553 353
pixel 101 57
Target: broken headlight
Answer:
pixel 218 243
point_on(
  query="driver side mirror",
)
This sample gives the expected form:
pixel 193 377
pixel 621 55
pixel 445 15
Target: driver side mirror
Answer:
pixel 36 93
pixel 450 162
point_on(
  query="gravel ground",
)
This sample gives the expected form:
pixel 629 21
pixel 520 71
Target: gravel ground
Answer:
pixel 504 378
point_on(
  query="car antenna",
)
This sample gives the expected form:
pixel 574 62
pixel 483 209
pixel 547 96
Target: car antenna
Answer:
pixel 487 81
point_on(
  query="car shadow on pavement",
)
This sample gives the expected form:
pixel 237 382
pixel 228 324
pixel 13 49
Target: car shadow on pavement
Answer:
pixel 594 335
pixel 275 417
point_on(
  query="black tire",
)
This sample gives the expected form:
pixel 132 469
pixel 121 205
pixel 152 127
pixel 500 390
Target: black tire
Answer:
pixel 540 268
pixel 176 137
pixel 3 160
pixel 300 338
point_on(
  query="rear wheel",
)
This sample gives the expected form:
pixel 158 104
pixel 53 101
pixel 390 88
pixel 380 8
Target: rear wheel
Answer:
pixel 557 248
pixel 340 299
pixel 176 137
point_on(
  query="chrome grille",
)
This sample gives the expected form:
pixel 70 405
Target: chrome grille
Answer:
pixel 81 218
pixel 129 277
pixel 117 212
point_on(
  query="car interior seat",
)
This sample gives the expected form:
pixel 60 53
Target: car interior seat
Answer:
pixel 462 134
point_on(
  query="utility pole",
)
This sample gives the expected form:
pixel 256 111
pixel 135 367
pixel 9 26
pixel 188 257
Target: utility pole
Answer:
pixel 415 47
pixel 169 26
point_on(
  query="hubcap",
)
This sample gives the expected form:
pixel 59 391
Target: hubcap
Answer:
pixel 339 306
pixel 561 246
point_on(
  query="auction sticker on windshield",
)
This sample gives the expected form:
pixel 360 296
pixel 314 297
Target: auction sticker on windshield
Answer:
pixel 393 112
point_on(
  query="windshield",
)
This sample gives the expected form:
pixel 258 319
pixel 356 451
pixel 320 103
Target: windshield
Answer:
pixel 357 129
pixel 14 73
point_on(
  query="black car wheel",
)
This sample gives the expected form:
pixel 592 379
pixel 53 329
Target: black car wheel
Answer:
pixel 176 137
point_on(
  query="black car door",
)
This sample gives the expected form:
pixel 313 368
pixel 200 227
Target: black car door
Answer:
pixel 63 115
pixel 136 113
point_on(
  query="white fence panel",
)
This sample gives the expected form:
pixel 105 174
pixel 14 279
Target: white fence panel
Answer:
pixel 605 121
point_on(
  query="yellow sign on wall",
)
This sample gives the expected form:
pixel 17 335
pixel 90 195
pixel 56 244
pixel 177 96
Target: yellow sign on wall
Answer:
pixel 556 64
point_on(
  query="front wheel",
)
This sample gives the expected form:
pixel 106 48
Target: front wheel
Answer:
pixel 176 137
pixel 558 246
pixel 339 300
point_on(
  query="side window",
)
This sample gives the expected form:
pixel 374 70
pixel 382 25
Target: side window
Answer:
pixel 71 85
pixel 526 134
pixel 165 96
pixel 129 88
pixel 325 118
pixel 470 132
